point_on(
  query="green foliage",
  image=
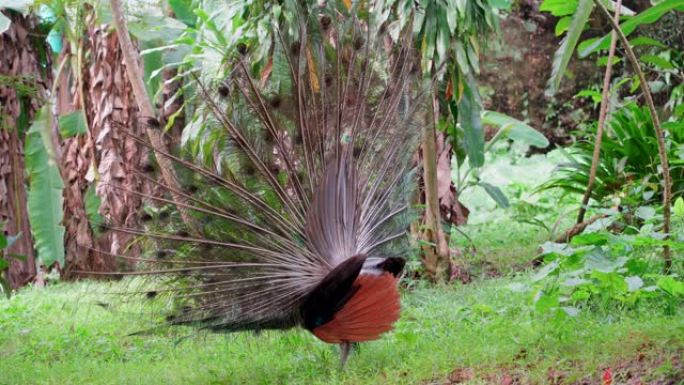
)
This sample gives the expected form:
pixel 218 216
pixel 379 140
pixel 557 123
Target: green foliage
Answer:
pixel 72 124
pixel 562 56
pixel 183 11
pixel 45 199
pixel 513 129
pixel 648 16
pixel 629 165
pixel 468 113
pixel 92 207
pixel 6 242
pixel 574 16
pixel 508 128
pixel 599 268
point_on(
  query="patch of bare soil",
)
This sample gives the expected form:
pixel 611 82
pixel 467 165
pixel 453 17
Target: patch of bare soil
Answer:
pixel 650 366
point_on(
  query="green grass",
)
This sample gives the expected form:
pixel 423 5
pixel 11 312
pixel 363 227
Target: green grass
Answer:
pixel 60 335
pixel 480 333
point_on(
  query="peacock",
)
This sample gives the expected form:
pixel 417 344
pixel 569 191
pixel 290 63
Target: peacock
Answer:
pixel 298 216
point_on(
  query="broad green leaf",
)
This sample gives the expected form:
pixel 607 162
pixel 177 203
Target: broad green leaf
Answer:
pixel 563 25
pixel 648 16
pixel 593 94
pixel 149 26
pixel 562 56
pixel 559 7
pixel 92 204
pixel 580 295
pixel 614 282
pixel 546 270
pixel 45 194
pixel 645 212
pixel 3 264
pixel 3 241
pixel 496 194
pixel 152 63
pixel 671 286
pixel 603 61
pixel 543 302
pixel 599 261
pixel 515 129
pixel 469 119
pixel 597 239
pixel 72 124
pixel 645 40
pixel 656 61
pixel 678 208
pixel 557 248
pixel 183 11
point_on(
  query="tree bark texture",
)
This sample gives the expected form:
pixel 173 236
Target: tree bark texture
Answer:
pixel 23 88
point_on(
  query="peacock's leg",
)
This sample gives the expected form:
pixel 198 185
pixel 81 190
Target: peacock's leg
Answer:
pixel 345 348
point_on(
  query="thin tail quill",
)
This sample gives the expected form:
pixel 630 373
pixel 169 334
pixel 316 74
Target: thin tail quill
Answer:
pixel 297 218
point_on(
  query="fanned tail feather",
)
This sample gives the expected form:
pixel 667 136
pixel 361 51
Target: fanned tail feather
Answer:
pixel 317 171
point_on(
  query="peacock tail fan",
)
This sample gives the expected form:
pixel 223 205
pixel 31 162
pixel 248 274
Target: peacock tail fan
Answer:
pixel 314 167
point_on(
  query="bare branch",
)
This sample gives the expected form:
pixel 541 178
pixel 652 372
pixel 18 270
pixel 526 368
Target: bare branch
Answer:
pixel 603 111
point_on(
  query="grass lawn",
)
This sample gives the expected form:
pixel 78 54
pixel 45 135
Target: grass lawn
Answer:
pixel 478 333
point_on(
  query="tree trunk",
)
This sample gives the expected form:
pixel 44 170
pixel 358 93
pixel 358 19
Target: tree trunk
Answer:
pixel 107 157
pixel 22 91
pixel 435 246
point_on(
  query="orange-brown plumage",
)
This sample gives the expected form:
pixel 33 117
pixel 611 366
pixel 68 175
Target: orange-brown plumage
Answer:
pixel 371 311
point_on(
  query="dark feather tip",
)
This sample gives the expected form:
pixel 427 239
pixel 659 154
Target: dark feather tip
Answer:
pixel 359 42
pixel 223 91
pixel 249 169
pixel 153 122
pixel 241 48
pixel 298 139
pixel 393 265
pixel 383 28
pixel 325 22
pixel 357 152
pixel 295 47
pixel 275 101
pixel 151 294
